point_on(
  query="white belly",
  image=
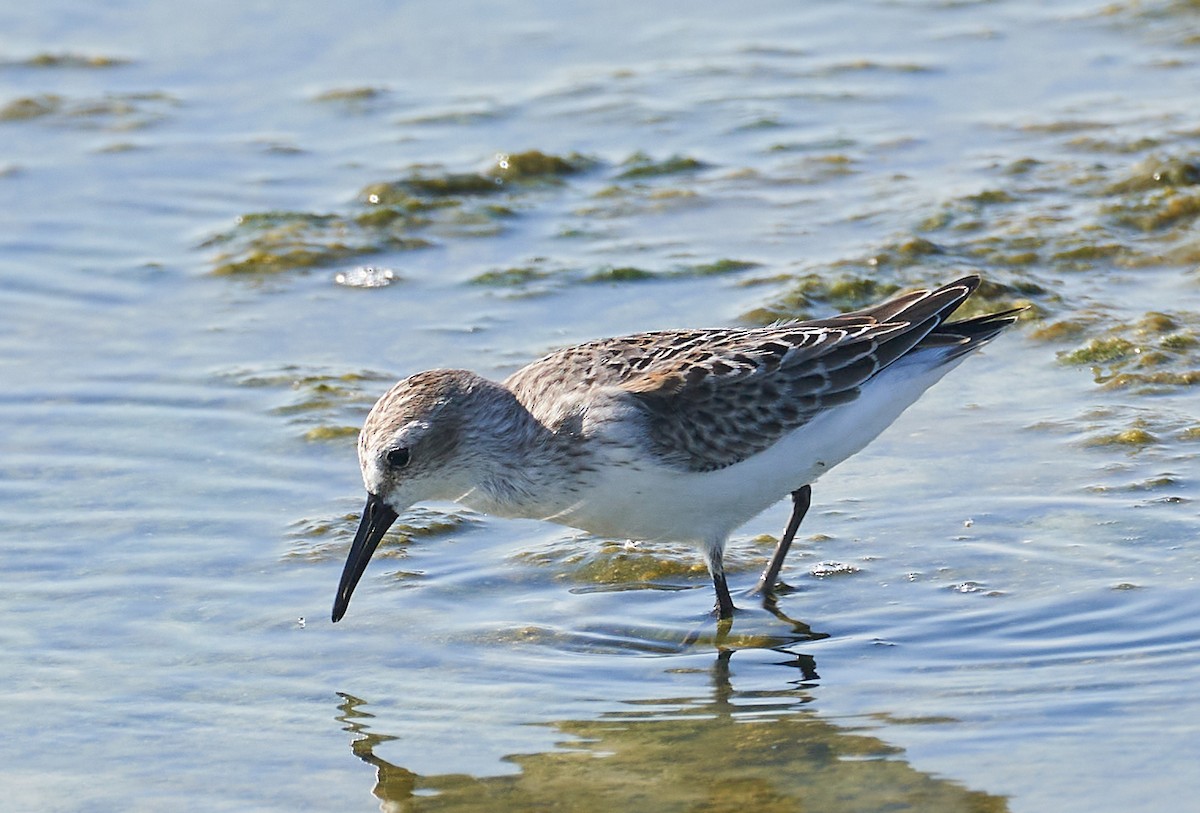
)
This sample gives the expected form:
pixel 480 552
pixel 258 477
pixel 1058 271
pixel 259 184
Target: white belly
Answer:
pixel 638 500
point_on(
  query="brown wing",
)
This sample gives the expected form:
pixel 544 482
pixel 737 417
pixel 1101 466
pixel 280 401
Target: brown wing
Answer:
pixel 725 400
pixel 712 398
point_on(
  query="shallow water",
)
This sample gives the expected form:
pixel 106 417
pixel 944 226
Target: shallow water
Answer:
pixel 996 603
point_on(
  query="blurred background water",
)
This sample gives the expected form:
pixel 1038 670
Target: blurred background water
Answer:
pixel 225 228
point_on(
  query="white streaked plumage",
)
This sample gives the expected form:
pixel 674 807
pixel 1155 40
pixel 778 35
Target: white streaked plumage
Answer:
pixel 677 435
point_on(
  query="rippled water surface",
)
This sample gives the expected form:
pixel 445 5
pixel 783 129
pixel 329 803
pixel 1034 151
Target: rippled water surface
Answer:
pixel 225 228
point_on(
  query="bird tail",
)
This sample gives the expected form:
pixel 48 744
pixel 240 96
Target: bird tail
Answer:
pixel 966 335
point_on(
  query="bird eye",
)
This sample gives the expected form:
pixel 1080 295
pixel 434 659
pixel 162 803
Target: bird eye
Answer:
pixel 397 458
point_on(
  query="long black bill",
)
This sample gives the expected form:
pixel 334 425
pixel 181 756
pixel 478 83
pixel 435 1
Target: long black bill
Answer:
pixel 377 517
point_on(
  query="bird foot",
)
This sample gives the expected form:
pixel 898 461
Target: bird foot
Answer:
pixel 723 613
pixel 778 589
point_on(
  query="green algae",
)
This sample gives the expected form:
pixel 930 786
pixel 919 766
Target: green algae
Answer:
pixel 534 165
pixel 1021 166
pixel 873 66
pixel 623 273
pixel 1062 126
pixel 1156 172
pixel 1158 352
pixel 399 196
pixel 1133 438
pixel 906 253
pixel 1118 146
pixel 388 216
pixel 818 169
pixel 634 199
pixel 813 292
pixel 32 107
pixel 814 145
pixel 514 276
pixel 535 272
pixel 451 184
pixel 1179 341
pixel 361 93
pixel 1090 254
pixel 641 165
pixel 989 197
pixel 1101 351
pixel 636 565
pixel 325 406
pixel 717 268
pixel 68 59
pixel 274 242
pixel 116 112
pixel 324 433
pixel 1156 211
pixel 530 167
pixel 1060 331
pixel 1138 212
pixel 615 564
pixel 1155 381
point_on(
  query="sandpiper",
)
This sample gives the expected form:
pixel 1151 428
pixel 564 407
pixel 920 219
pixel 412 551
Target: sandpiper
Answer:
pixel 679 435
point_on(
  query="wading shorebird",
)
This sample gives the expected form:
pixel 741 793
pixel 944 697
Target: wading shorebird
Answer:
pixel 680 435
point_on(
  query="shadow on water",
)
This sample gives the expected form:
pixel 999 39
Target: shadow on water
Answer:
pixel 729 750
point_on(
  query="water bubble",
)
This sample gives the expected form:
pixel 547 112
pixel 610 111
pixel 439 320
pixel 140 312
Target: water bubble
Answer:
pixel 366 277
pixel 825 569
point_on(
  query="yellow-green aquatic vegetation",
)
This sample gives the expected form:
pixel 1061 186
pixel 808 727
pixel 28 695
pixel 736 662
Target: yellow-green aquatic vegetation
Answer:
pixel 31 107
pixel 115 112
pixel 1159 351
pixel 272 242
pixel 609 562
pixel 625 273
pixel 717 268
pixel 536 165
pixel 1156 172
pixel 322 433
pixel 360 93
pixel 1157 210
pixel 1134 438
pixel 641 165
pixel 1101 351
pixel 389 216
pixel 1062 330
pixel 905 253
pixel 512 277
pixel 68 60
pixel 818 292
pixel 328 406
pixel 537 271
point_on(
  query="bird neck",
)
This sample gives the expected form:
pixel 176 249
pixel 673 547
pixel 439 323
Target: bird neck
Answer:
pixel 519 462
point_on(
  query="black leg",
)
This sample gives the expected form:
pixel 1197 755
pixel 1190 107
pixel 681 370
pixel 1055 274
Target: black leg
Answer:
pixel 724 608
pixel 714 557
pixel 801 499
